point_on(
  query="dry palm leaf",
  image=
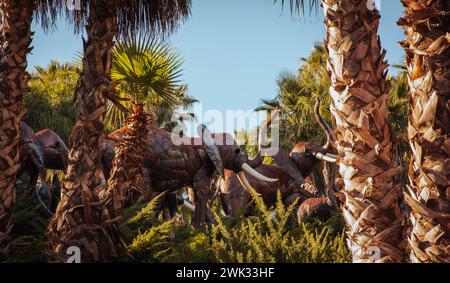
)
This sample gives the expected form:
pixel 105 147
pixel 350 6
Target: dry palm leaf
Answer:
pixel 359 92
pixel 79 218
pixel 427 46
pixel 15 45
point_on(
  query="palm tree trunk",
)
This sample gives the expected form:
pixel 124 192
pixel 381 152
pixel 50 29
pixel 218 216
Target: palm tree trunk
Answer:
pixel 16 32
pixel 427 26
pixel 127 165
pixel 359 92
pixel 79 217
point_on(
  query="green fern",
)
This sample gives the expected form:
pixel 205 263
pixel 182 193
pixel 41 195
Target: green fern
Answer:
pixel 267 236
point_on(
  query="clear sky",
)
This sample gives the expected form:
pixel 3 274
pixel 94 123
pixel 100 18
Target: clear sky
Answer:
pixel 234 50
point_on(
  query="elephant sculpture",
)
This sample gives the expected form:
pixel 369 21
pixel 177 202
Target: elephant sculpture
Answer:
pixel 234 198
pixel 39 151
pixel 44 149
pixel 320 208
pixel 174 162
pixel 290 168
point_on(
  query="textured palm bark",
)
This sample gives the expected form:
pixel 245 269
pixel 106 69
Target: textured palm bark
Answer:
pixel 79 217
pixel 427 26
pixel 359 92
pixel 16 31
pixel 127 165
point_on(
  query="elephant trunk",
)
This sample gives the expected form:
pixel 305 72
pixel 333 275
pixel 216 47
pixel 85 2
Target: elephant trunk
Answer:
pixel 244 182
pixel 263 131
pixel 331 139
pixel 55 160
pixel 324 125
pixel 258 160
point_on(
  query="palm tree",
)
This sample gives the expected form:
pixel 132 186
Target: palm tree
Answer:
pixel 16 18
pixel 126 170
pixel 427 47
pixel 359 91
pixel 147 71
pixel 79 219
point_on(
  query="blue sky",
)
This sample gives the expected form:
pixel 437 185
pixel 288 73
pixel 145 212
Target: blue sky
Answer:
pixel 234 50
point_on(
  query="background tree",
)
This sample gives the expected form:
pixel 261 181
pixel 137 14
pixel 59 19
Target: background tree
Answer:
pixel 50 98
pixel 296 97
pixel 398 107
pixel 427 47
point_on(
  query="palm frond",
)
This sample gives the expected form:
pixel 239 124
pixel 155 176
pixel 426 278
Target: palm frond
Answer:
pixel 157 16
pixel 300 6
pixel 147 70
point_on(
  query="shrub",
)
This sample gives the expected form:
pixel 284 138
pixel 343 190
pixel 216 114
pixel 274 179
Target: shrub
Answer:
pixel 268 236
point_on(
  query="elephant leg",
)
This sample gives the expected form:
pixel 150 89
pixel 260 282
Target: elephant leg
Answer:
pixel 210 217
pixel 200 212
pixel 202 183
pixel 172 204
pixel 291 199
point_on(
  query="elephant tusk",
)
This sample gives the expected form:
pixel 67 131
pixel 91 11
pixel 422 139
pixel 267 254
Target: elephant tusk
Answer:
pixel 263 130
pixel 40 199
pixel 325 157
pixel 189 206
pixel 332 155
pixel 244 182
pixel 255 174
pixel 324 125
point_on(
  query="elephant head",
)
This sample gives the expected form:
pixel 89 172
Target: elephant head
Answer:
pixel 224 153
pixel 302 159
pixel 54 149
pixel 40 151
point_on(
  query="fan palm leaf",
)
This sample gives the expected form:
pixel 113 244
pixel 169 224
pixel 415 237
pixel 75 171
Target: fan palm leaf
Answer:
pixel 147 71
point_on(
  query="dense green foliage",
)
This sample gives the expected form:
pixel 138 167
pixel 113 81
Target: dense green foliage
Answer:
pixel 296 97
pixel 297 94
pixel 50 100
pixel 267 236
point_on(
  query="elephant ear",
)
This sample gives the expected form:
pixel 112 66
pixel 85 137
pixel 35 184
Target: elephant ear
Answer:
pixel 211 148
pixel 285 162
